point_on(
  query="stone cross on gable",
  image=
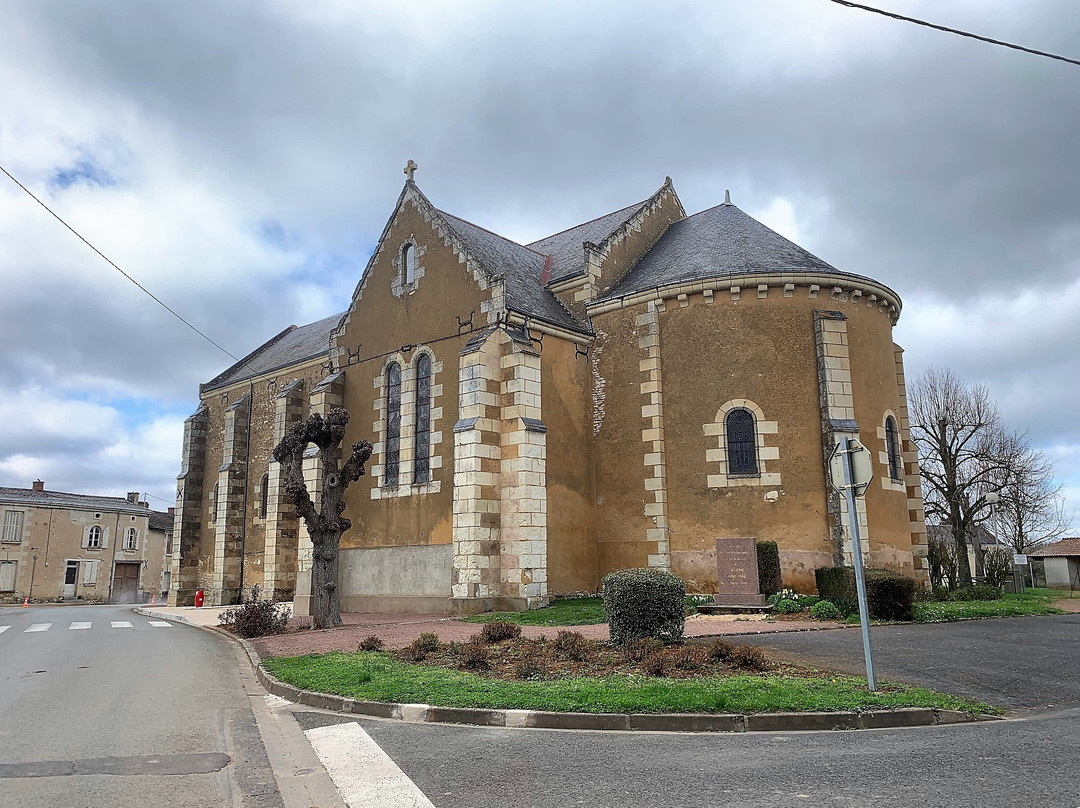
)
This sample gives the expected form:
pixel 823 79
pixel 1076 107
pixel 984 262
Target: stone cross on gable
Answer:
pixel 410 169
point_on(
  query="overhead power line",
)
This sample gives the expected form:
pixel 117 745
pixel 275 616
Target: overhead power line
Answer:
pixel 956 31
pixel 111 263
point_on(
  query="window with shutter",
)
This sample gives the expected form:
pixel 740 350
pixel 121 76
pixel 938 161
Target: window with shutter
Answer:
pixel 131 539
pixel 90 572
pixel 94 538
pixel 7 576
pixel 13 525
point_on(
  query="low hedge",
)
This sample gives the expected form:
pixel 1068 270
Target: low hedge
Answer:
pixel 644 603
pixel 768 568
pixel 889 595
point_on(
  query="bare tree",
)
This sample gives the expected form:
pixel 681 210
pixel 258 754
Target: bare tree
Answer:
pixel 964 454
pixel 1032 509
pixel 326 524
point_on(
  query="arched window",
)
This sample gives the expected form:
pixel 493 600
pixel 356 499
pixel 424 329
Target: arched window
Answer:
pixel 265 499
pixel 393 424
pixel 131 539
pixel 422 433
pixel 741 442
pixel 95 537
pixel 408 263
pixel 892 448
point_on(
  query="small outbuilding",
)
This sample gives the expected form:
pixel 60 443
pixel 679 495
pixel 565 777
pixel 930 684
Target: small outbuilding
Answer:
pixel 1061 560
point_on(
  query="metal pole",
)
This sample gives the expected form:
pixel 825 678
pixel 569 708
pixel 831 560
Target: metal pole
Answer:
pixel 856 554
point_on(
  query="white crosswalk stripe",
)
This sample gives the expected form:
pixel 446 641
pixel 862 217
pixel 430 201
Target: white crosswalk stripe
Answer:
pixel 38 627
pixel 4 628
pixel 121 624
pixel 78 626
pixel 160 623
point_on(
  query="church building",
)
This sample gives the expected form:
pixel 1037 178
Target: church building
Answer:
pixel 620 394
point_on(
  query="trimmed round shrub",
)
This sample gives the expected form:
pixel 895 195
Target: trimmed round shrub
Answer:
pixel 644 603
pixel 836 584
pixel 768 567
pixel 824 610
pixel 890 595
pixel 500 631
pixel 788 607
pixel 370 643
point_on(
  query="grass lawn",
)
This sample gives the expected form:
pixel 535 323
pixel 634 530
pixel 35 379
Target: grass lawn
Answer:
pixel 568 612
pixel 1032 602
pixel 378 677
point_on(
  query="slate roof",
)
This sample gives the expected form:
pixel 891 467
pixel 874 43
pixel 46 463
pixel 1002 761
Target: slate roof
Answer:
pixel 944 531
pixel 60 499
pixel 293 345
pixel 1065 547
pixel 716 242
pixel 521 267
pixel 161 520
pixel 566 247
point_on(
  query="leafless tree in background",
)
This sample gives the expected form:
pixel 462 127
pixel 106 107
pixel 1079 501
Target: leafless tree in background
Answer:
pixel 1032 510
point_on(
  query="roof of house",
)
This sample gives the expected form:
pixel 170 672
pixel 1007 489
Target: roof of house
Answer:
pixel 161 520
pixel 1064 547
pixel 715 242
pixel 567 247
pixel 293 345
pixel 983 536
pixel 522 269
pixel 61 499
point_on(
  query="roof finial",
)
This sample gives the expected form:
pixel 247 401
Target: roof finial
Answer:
pixel 410 169
pixel 727 197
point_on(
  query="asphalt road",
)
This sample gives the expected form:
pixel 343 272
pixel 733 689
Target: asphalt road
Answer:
pixel 1016 662
pixel 123 716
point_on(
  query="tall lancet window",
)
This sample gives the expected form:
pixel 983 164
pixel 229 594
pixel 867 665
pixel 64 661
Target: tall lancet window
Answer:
pixel 422 447
pixel 393 424
pixel 408 263
pixel 892 448
pixel 741 443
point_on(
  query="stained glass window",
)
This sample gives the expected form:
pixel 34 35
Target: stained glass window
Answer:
pixel 422 450
pixel 393 424
pixel 741 443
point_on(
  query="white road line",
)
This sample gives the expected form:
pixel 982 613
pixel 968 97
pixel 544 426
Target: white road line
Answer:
pixel 160 623
pixel 364 774
pixel 38 627
pixel 77 626
pixel 121 624
pixel 4 628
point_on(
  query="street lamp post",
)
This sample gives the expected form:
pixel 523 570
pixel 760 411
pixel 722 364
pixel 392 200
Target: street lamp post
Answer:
pixel 33 571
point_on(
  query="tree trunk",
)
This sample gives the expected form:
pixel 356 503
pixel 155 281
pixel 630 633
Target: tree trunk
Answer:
pixel 963 567
pixel 326 599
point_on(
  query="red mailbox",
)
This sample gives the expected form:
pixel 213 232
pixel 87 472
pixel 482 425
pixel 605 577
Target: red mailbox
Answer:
pixel 199 598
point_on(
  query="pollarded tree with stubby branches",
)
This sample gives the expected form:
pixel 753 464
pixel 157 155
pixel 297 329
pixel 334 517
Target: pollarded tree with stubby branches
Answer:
pixel 326 524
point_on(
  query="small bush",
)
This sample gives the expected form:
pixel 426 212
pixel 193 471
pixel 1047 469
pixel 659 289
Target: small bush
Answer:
pixel 644 603
pixel 370 643
pixel 768 567
pixel 997 565
pixel 720 650
pixel 255 617
pixel 687 657
pixel 890 595
pixel 418 649
pixel 749 657
pixel 836 584
pixel 980 592
pixel 824 610
pixel 500 631
pixel 788 607
pixel 655 664
pixel 637 650
pixel 571 646
pixel 474 654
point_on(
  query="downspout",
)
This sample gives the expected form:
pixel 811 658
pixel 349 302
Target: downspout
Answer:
pixel 112 563
pixel 247 482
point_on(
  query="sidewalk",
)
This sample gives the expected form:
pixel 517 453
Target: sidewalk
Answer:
pixel 398 630
pixel 196 616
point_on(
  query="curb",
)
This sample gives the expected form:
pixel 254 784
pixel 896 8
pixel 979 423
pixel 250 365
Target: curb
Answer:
pixel 625 722
pixel 642 722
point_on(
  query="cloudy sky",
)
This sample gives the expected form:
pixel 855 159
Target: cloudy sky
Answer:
pixel 241 158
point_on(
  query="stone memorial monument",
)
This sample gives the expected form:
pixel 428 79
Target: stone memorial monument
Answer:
pixel 738 589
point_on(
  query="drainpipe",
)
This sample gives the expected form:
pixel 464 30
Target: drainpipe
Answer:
pixel 112 563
